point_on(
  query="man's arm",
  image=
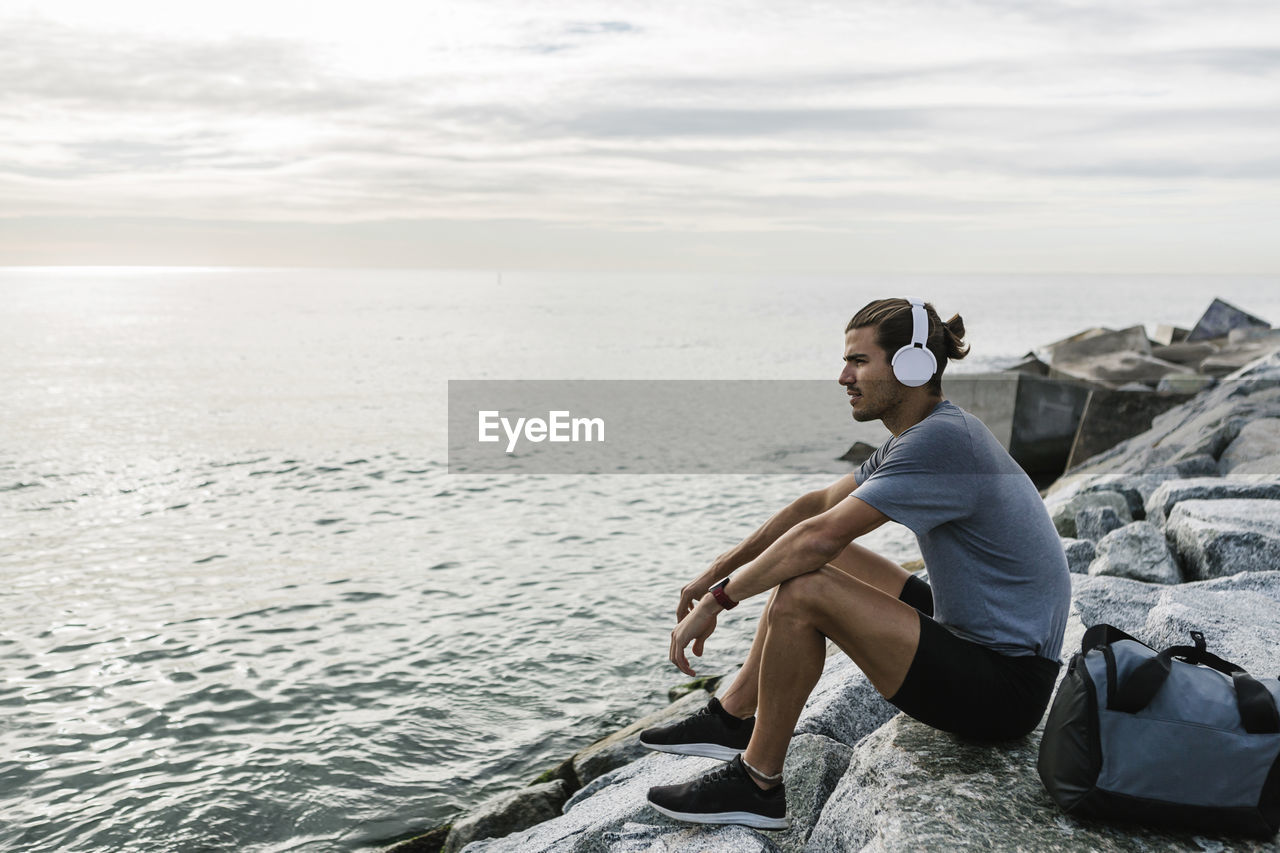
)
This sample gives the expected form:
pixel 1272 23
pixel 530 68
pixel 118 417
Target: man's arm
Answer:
pixel 805 507
pixel 807 546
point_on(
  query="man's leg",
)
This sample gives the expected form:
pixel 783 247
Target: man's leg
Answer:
pixel 855 560
pixel 875 629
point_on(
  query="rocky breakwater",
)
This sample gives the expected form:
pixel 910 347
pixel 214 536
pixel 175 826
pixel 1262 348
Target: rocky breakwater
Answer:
pixel 1174 529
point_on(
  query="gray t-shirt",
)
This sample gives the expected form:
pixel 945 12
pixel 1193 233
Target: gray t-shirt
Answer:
pixel 996 565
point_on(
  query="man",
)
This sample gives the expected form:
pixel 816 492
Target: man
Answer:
pixel 973 651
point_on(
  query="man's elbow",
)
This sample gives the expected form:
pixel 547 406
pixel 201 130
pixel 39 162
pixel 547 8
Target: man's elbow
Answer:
pixel 818 537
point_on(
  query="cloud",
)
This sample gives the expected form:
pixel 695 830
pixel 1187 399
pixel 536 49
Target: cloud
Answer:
pixel 985 113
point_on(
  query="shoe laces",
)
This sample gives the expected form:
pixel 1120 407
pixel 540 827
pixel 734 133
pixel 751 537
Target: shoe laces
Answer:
pixel 723 773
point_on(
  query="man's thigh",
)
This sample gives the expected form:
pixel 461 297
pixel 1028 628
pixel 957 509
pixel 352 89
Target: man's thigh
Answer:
pixel 871 568
pixel 869 625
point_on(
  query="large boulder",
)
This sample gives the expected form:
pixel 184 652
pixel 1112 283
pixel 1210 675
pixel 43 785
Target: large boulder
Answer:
pixel 1256 440
pixel 1185 353
pixel 1112 600
pixel 843 706
pixel 1117 369
pixel 624 746
pixel 1080 553
pixel 1215 538
pixel 1184 383
pixel 508 813
pixel 1110 417
pixel 1137 551
pixel 615 815
pixel 1136 488
pixel 1263 467
pixel 1169 493
pixel 912 788
pixel 1064 512
pixel 1094 523
pixel 1220 318
pixel 1239 615
pixel 1098 341
pixel 1205 425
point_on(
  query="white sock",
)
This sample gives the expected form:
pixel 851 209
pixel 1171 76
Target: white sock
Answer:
pixel 763 777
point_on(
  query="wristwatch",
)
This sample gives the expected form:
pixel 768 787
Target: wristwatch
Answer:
pixel 722 598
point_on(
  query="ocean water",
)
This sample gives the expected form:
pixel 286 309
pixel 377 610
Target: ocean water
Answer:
pixel 246 607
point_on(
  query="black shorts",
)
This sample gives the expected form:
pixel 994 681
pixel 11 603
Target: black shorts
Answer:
pixel 965 688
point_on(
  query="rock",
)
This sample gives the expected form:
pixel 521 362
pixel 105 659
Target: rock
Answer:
pixel 1239 614
pixel 1250 334
pixel 1030 364
pixel 1256 440
pixel 1093 523
pixel 1205 425
pixel 705 683
pixel 624 746
pixel 1219 319
pixel 843 706
pixel 1098 342
pixel 1184 353
pixel 1136 488
pixel 858 453
pixel 1215 538
pixel 508 813
pixel 428 842
pixel 1080 553
pixel 1064 513
pixel 1110 417
pixel 1201 465
pixel 1267 466
pixel 641 838
pixel 1235 356
pixel 1137 551
pixel 1114 600
pixel 615 815
pixel 1167 335
pixel 1117 368
pixel 912 788
pixel 1169 493
pixel 1184 383
pixel 1240 625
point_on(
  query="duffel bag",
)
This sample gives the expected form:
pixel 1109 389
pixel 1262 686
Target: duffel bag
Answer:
pixel 1178 738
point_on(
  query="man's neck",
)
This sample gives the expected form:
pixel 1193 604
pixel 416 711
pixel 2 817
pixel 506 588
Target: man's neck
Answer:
pixel 912 411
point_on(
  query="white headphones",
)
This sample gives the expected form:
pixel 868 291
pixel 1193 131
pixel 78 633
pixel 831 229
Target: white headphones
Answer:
pixel 914 364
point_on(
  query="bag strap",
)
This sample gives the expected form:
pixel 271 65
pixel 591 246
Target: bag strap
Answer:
pixel 1257 706
pixel 1104 635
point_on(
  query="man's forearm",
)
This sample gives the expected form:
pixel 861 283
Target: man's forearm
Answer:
pixel 801 549
pixel 802 508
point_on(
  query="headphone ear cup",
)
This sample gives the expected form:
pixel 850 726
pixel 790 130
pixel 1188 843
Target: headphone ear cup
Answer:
pixel 914 366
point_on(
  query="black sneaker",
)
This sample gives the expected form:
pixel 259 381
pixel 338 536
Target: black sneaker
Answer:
pixel 725 795
pixel 711 732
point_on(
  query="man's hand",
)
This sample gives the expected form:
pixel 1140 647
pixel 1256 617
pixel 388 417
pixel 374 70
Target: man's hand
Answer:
pixel 691 592
pixel 695 628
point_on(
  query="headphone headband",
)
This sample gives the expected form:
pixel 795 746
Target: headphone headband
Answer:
pixel 919 322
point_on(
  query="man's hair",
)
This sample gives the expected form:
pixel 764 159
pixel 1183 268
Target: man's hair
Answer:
pixel 892 319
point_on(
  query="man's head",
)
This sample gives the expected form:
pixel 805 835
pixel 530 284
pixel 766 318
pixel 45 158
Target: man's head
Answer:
pixel 872 337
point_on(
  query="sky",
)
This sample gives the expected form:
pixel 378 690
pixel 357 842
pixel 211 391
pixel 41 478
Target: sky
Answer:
pixel 951 136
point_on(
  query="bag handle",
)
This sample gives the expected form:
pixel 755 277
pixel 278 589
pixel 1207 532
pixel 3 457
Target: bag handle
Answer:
pixel 1257 707
pixel 1104 635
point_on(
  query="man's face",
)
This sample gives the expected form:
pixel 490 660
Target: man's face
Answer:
pixel 867 376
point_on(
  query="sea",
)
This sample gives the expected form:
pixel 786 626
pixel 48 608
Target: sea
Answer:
pixel 247 607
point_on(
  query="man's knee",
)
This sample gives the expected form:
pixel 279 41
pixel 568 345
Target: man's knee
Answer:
pixel 798 596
